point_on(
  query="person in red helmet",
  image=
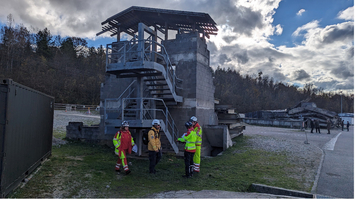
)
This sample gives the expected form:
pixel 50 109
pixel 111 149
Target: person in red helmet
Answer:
pixel 123 142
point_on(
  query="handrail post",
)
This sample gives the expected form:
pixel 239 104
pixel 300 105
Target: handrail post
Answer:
pixel 122 104
pixel 124 53
pixel 105 117
pixel 166 118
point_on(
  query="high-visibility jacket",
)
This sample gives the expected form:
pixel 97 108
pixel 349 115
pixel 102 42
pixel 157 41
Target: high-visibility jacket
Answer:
pixel 123 140
pixel 154 139
pixel 190 138
pixel 198 130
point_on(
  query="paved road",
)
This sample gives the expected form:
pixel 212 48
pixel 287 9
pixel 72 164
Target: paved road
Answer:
pixel 337 173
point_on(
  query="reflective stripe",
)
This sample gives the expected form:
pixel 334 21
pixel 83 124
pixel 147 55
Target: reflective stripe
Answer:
pixel 191 147
pixel 198 142
pixel 189 142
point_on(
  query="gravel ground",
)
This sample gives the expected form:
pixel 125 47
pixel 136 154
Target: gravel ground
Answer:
pixel 306 158
pixel 61 120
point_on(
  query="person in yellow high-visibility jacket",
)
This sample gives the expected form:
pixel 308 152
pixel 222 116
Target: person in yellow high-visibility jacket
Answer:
pixel 154 146
pixel 197 157
pixel 190 148
pixel 123 142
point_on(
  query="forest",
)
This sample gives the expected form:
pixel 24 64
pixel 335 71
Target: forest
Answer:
pixel 69 70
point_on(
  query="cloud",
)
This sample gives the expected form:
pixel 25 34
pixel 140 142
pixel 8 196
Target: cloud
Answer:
pixel 223 59
pixel 229 39
pixel 301 75
pixel 278 29
pixel 347 14
pixel 277 75
pixel 323 55
pixel 340 32
pixel 311 25
pixel 344 71
pixel 300 12
pixel 242 57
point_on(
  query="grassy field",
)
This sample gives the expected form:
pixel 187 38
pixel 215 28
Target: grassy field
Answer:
pixel 80 170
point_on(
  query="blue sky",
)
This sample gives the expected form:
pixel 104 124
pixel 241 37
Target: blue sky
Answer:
pixel 286 15
pixel 293 41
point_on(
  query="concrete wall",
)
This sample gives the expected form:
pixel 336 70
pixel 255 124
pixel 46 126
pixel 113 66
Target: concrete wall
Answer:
pixel 188 52
pixel 79 131
pixel 113 87
pixel 190 55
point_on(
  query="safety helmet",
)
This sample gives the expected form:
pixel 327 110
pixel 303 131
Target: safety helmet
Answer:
pixel 188 124
pixel 193 119
pixel 156 122
pixel 125 123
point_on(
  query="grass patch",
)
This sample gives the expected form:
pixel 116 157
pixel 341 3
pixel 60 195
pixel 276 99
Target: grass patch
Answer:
pixel 60 134
pixel 81 170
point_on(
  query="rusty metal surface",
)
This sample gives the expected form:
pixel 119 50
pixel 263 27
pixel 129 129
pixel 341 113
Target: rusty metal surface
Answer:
pixel 26 130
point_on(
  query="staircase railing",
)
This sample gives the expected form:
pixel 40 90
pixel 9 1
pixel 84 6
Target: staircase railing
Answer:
pixel 127 51
pixel 148 113
pixel 113 105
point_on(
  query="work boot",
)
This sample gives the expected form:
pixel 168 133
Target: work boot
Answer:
pixel 128 171
pixel 186 176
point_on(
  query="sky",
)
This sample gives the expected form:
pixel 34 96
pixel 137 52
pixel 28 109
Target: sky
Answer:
pixel 296 42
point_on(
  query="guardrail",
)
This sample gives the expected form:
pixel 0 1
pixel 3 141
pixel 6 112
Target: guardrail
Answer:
pixel 128 51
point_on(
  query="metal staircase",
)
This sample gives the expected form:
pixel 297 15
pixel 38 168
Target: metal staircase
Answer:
pixel 148 59
pixel 155 87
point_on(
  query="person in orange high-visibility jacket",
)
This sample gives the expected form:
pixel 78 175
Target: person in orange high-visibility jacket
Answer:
pixel 189 138
pixel 197 157
pixel 123 143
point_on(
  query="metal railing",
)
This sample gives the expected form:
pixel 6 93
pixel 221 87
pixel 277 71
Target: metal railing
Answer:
pixel 128 51
pixel 148 113
pixel 113 105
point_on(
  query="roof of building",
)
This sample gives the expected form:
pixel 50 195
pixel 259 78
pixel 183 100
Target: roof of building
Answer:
pixel 127 21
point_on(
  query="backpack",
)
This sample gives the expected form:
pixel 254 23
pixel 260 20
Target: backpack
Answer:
pixel 145 137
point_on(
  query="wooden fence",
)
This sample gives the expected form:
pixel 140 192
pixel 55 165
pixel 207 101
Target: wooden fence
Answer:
pixel 75 107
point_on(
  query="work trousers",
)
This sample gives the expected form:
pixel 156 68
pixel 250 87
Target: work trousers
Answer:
pixel 154 158
pixel 197 158
pixel 317 130
pixel 122 159
pixel 189 163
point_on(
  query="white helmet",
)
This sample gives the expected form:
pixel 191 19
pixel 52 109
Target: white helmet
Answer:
pixel 193 119
pixel 125 123
pixel 156 122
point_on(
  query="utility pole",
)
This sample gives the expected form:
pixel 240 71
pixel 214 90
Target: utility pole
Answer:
pixel 341 102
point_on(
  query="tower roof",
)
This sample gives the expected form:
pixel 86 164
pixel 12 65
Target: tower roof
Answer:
pixel 127 21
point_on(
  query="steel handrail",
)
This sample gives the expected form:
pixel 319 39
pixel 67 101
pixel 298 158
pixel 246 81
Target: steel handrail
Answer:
pixel 118 99
pixel 168 118
pixel 170 72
